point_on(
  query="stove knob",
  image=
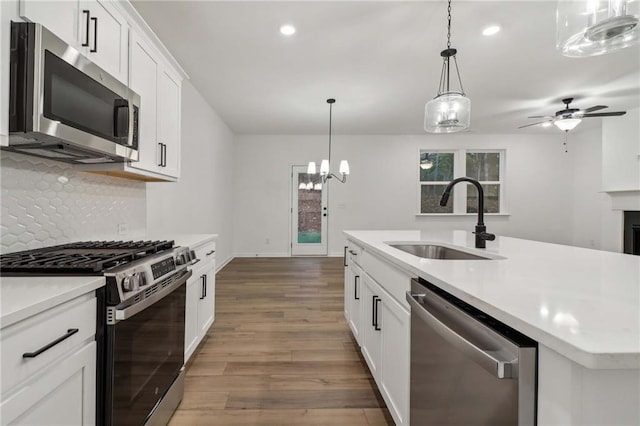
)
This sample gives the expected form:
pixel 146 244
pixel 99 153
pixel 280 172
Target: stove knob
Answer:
pixel 129 283
pixel 142 279
pixel 180 259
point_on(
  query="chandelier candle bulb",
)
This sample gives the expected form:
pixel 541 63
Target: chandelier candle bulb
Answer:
pixel 344 167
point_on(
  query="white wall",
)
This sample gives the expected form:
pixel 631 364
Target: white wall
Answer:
pixel 381 192
pixel 201 201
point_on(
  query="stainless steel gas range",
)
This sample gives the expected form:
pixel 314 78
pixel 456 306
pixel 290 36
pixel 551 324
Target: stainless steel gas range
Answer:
pixel 141 314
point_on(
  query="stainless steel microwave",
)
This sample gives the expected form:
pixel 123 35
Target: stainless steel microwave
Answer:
pixel 63 106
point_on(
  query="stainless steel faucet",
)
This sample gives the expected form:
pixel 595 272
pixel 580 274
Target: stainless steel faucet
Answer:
pixel 481 231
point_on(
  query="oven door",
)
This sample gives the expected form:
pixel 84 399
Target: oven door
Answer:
pixel 145 352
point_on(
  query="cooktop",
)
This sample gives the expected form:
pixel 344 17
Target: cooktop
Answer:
pixel 80 258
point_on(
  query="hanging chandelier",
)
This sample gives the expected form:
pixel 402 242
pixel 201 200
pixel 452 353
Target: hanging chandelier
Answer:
pixel 324 165
pixel 450 110
pixel 596 27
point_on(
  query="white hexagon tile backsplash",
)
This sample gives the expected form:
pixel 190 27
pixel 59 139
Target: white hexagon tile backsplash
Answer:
pixel 46 203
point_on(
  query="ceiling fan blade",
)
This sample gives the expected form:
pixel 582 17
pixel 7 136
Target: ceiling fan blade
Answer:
pixel 541 116
pixel 593 108
pixel 604 114
pixel 533 124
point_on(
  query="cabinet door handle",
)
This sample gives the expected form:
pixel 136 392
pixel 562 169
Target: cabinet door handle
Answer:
pixel 164 155
pixel 70 332
pixel 205 286
pixel 160 163
pixel 345 256
pixel 211 252
pixel 373 311
pixel 376 326
pixel 202 287
pixel 86 39
pixel 355 287
pixel 95 34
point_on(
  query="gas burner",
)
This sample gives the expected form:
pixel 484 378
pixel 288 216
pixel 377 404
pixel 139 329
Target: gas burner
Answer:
pixel 80 258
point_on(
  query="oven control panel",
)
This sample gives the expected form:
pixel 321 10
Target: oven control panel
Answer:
pixel 163 267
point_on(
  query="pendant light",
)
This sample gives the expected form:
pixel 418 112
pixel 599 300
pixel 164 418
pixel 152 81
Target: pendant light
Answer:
pixel 325 172
pixel 596 27
pixel 450 110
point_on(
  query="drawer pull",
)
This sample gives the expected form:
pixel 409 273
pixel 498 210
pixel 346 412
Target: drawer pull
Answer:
pixel 211 252
pixel 70 332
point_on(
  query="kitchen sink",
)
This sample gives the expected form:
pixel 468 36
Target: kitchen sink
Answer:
pixel 432 251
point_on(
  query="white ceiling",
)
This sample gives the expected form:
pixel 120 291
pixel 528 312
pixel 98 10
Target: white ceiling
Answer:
pixel 381 61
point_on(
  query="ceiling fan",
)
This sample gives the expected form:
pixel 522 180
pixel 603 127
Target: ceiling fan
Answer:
pixel 568 118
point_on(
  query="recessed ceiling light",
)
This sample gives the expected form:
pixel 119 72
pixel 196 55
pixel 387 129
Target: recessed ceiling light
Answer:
pixel 546 124
pixel 287 30
pixel 489 31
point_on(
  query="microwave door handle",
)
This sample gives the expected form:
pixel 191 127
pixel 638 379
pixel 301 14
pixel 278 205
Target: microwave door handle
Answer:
pixel 86 39
pixel 131 123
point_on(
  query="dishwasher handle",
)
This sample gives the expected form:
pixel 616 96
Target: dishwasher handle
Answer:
pixel 499 368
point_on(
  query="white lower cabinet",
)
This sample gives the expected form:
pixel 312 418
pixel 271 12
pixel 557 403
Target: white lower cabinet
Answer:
pixel 354 296
pixel 382 327
pixel 49 366
pixel 395 358
pixel 200 303
pixel 372 320
pixel 63 395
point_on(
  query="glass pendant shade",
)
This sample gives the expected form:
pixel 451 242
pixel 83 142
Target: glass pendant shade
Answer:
pixel 311 168
pixel 344 167
pixel 596 27
pixel 567 124
pixel 324 167
pixel 447 113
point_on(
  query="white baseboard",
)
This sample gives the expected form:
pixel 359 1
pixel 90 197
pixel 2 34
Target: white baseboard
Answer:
pixel 223 264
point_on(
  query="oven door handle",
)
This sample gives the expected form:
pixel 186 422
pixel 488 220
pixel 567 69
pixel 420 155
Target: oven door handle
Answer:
pixel 126 313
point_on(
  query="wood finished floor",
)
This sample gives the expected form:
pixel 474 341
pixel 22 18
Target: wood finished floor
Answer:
pixel 280 351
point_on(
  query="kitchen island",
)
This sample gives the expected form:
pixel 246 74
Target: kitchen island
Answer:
pixel 582 306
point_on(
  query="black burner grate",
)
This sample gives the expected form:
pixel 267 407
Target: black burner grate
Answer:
pixel 81 258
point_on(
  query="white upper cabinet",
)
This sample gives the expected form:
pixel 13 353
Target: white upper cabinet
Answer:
pixel 94 27
pixel 169 122
pixel 107 38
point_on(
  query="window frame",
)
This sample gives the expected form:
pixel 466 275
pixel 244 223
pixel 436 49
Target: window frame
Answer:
pixel 459 196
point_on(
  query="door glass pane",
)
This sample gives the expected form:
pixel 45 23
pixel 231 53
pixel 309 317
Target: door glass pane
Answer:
pixel 483 166
pixel 430 199
pixel 491 199
pixel 441 166
pixel 309 209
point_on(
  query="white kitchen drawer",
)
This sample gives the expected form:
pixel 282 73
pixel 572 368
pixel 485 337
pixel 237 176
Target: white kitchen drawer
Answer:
pixel 355 252
pixel 40 330
pixel 206 252
pixel 392 279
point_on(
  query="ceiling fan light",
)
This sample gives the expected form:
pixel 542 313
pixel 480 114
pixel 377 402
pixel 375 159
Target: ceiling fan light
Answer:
pixel 596 27
pixel 447 113
pixel 567 124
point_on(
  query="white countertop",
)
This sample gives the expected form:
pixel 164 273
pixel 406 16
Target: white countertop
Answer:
pixel 189 240
pixel 22 297
pixel 582 303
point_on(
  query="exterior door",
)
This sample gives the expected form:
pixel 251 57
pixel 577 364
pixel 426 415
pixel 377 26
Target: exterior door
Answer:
pixel 308 213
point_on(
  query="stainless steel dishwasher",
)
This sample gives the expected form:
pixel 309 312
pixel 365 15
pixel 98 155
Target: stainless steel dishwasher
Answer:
pixel 467 368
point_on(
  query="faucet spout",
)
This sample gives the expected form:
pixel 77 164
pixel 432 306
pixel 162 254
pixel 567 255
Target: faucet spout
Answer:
pixel 481 230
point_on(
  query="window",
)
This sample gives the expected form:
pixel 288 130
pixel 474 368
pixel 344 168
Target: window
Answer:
pixel 438 168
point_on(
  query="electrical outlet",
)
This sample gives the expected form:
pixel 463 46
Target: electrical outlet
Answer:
pixel 122 229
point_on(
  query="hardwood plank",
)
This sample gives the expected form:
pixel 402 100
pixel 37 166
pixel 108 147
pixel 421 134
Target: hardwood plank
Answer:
pixel 280 351
pixel 228 417
pixel 309 399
